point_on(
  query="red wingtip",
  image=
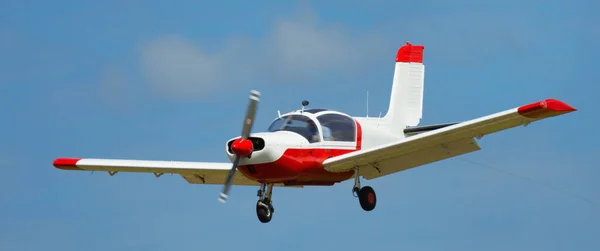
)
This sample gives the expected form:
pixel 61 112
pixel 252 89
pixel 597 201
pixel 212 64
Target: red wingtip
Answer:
pixel 66 163
pixel 545 108
pixel 410 53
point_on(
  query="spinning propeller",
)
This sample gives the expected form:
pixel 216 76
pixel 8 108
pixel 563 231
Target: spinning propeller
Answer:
pixel 241 147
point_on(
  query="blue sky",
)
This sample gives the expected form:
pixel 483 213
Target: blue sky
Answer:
pixel 158 80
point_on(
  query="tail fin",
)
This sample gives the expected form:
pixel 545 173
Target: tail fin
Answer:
pixel 406 101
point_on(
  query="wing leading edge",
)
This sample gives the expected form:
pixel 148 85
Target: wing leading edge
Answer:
pixel 193 172
pixel 443 143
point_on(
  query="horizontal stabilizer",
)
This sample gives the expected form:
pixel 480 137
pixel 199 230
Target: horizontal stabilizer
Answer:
pixel 421 129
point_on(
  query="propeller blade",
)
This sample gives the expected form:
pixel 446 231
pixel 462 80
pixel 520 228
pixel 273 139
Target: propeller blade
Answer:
pixel 246 128
pixel 225 192
pixel 249 120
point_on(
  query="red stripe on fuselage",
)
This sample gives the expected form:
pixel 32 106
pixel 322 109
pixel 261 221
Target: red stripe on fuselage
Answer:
pixel 358 136
pixel 302 166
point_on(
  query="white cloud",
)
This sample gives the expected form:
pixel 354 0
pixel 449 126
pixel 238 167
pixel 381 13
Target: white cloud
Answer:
pixel 174 65
pixel 300 46
pixel 295 49
pixel 115 88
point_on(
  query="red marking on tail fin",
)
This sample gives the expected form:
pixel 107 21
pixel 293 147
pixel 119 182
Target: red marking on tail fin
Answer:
pixel 66 163
pixel 545 108
pixel 410 53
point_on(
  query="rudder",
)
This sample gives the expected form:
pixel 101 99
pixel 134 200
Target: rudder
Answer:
pixel 406 101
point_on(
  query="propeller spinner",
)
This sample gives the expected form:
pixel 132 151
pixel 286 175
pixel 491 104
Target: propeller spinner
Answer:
pixel 241 147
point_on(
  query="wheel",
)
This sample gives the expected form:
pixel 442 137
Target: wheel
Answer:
pixel 367 198
pixel 264 211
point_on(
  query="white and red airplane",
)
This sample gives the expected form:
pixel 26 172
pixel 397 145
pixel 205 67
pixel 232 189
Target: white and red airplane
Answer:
pixel 321 147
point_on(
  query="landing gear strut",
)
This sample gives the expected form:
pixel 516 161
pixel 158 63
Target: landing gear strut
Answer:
pixel 366 195
pixel 264 207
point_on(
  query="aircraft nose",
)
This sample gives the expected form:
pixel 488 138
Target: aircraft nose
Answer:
pixel 242 147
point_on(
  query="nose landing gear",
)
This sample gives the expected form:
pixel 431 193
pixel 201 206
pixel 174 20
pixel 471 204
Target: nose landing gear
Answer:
pixel 366 195
pixel 264 207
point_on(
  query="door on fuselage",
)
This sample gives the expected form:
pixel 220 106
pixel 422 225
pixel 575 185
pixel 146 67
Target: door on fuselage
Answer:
pixel 337 130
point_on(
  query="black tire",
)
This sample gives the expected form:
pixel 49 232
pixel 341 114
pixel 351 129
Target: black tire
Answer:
pixel 264 212
pixel 367 198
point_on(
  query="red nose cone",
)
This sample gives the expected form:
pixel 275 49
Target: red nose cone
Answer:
pixel 242 147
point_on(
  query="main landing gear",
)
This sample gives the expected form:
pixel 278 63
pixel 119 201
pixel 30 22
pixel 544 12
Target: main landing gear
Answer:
pixel 264 207
pixel 366 195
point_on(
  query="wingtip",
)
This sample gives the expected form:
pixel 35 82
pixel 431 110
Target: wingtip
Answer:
pixel 66 163
pixel 545 108
pixel 557 105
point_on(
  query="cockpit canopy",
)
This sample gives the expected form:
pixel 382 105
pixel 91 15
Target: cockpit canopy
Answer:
pixel 325 127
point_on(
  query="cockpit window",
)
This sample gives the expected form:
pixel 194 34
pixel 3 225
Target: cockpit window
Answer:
pixel 337 127
pixel 299 124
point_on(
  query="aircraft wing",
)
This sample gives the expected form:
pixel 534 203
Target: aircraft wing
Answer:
pixel 193 172
pixel 440 144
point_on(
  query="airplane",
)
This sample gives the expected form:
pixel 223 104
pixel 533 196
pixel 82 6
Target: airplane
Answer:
pixel 323 147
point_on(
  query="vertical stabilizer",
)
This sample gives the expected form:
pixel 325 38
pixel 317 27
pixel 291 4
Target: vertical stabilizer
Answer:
pixel 406 101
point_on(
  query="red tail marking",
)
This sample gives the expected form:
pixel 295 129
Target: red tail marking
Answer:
pixel 410 53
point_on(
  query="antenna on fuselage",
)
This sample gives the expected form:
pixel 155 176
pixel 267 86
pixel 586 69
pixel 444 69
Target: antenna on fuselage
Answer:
pixel 367 103
pixel 304 103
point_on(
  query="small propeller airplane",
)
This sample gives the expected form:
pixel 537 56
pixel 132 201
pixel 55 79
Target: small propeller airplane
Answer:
pixel 322 147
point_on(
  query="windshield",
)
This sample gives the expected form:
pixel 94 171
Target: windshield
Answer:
pixel 299 124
